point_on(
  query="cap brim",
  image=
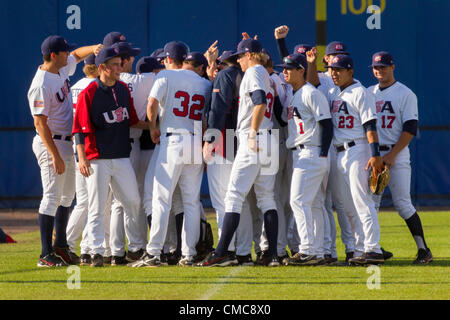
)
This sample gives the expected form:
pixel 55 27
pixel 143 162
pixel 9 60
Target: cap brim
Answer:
pixel 337 67
pixel 135 51
pixel 338 52
pixel 380 65
pixel 285 66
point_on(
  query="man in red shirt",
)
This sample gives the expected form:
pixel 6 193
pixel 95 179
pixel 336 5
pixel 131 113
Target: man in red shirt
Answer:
pixel 103 117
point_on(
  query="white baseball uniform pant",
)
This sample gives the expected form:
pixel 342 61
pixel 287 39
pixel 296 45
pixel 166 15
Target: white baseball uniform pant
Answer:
pixel 179 162
pixel 253 169
pixel 309 179
pixel 400 185
pixel 78 218
pixel 137 237
pixel 57 189
pixel 119 175
pixel 351 163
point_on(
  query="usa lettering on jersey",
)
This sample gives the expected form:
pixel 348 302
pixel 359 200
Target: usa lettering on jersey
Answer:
pixel 116 116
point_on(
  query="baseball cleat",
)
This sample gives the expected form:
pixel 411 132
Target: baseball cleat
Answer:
pixel 264 259
pixel 85 259
pixel 107 260
pixel 74 259
pixel 134 256
pixel 245 261
pixel 386 254
pixel 172 258
pixel 186 261
pixel 146 261
pixel 330 261
pixel 63 253
pixel 119 260
pixel 300 259
pixel 367 258
pixel 51 260
pixel 274 262
pixel 212 260
pixel 424 256
pixel 97 260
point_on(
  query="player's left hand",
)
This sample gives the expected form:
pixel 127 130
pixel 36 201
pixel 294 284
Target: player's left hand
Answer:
pixel 208 151
pixel 311 55
pixel 253 144
pixel 155 134
pixel 212 53
pixel 245 35
pixel 377 165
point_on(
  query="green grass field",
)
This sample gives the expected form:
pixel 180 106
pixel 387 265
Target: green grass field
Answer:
pixel 21 279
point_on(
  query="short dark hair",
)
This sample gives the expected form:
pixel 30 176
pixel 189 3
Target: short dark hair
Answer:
pixel 47 57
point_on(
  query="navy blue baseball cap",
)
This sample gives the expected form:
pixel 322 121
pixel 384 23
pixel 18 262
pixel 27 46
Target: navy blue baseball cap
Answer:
pixel 336 47
pixel 341 61
pixel 382 59
pixel 225 55
pixel 175 50
pixel 90 59
pixel 248 45
pixel 197 56
pixel 125 49
pixel 113 37
pixel 302 48
pixel 294 61
pixel 106 54
pixel 56 44
pixel 148 64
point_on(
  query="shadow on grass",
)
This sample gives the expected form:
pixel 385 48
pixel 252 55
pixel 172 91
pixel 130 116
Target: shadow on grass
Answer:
pixel 222 282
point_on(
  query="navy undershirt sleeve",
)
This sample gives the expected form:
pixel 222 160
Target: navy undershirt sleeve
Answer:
pixel 327 136
pixel 370 125
pixel 282 48
pixel 258 97
pixel 410 126
pixel 278 110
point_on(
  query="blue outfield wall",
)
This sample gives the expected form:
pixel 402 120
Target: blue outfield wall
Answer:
pixel 415 31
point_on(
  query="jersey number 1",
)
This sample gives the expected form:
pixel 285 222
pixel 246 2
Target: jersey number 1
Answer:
pixel 199 102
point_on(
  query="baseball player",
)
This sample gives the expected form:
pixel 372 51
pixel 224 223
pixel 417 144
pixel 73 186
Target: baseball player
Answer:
pixel 396 126
pixel 103 116
pixel 51 106
pixel 254 138
pixel 219 152
pixel 179 97
pixel 78 217
pixel 356 142
pixel 310 135
pixel 139 87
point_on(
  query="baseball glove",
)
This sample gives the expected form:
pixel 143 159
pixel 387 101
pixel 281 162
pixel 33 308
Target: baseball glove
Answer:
pixel 206 241
pixel 378 183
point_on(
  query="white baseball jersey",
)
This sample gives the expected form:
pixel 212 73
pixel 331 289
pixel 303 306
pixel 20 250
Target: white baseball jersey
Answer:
pixel 139 86
pixel 307 107
pixel 181 109
pixel 326 82
pixel 395 105
pixel 255 78
pixel 49 95
pixel 350 109
pixel 79 86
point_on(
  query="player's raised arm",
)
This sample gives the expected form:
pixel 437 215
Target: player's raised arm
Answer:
pixel 280 35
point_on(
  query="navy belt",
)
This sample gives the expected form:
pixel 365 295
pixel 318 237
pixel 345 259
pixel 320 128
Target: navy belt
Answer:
pixel 269 131
pixel 342 148
pixel 60 137
pixel 386 147
pixel 301 146
pixel 168 134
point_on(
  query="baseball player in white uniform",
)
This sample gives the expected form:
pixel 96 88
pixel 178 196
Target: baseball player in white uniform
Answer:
pixel 51 106
pixel 78 217
pixel 254 138
pixel 396 126
pixel 179 97
pixel 356 142
pixel 310 135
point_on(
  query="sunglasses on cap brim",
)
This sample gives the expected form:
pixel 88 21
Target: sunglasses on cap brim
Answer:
pixel 293 63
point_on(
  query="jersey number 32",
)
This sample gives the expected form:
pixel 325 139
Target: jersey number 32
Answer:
pixel 194 110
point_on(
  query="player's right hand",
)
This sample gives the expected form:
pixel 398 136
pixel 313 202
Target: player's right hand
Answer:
pixel 281 32
pixel 376 163
pixel 84 166
pixel 58 165
pixel 155 134
pixel 207 151
pixel 311 55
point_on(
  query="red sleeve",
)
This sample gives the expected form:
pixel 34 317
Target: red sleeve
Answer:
pixel 81 121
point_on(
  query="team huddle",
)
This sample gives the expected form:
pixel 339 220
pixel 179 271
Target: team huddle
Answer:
pixel 282 151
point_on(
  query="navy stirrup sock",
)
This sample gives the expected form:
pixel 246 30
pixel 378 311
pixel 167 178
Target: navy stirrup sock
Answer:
pixel 415 227
pixel 61 220
pixel 230 224
pixel 271 227
pixel 149 221
pixel 179 227
pixel 46 227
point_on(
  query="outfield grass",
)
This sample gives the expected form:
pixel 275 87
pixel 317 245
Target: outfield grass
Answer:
pixel 21 279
